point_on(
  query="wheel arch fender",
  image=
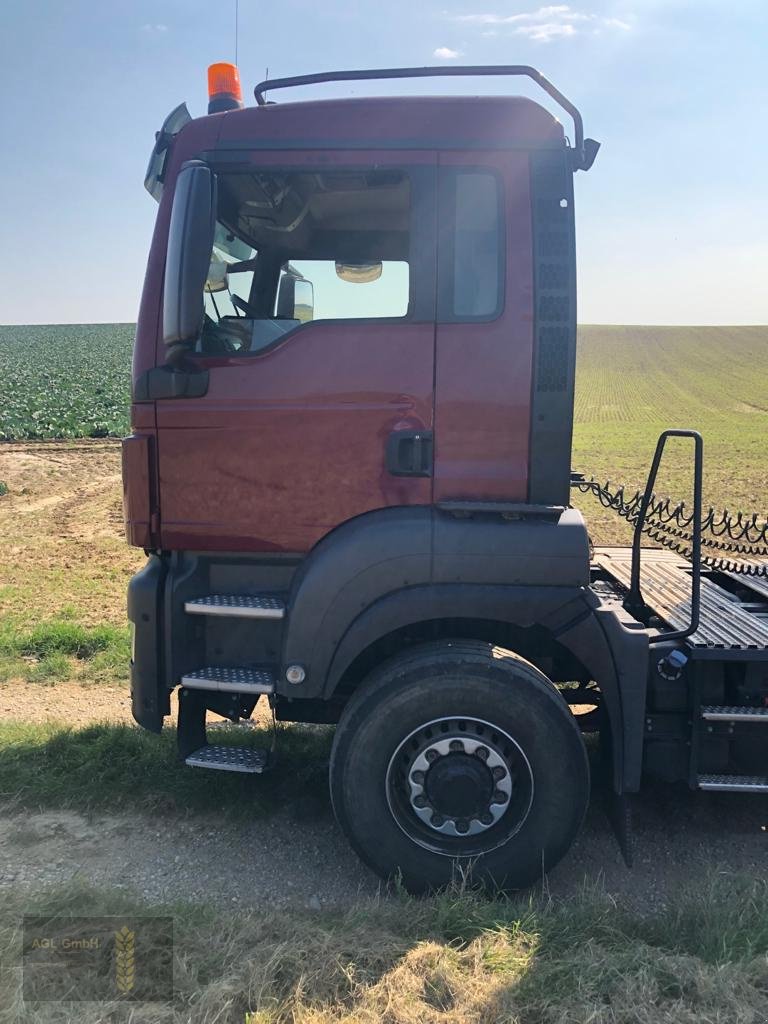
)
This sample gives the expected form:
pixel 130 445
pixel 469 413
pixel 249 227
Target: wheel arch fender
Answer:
pixel 567 615
pixel 382 552
pixel 389 551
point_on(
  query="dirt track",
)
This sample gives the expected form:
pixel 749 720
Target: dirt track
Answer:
pixel 299 857
pixel 61 522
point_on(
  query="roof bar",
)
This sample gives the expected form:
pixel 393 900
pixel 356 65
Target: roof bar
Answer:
pixel 584 150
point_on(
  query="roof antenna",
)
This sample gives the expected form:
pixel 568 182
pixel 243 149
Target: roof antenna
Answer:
pixel 237 12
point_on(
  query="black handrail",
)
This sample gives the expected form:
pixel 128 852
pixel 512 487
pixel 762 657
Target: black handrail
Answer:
pixel 634 602
pixel 585 151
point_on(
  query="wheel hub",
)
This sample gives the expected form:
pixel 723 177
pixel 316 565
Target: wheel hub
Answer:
pixel 460 778
pixel 459 786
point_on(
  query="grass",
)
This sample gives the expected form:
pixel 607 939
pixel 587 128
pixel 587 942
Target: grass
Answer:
pixel 453 959
pixel 104 766
pixel 632 382
pixel 61 650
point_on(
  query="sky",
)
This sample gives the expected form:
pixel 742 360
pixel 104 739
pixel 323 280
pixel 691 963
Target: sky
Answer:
pixel 672 220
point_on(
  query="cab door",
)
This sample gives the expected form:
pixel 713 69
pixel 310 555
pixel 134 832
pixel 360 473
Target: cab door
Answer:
pixel 309 423
pixel 484 346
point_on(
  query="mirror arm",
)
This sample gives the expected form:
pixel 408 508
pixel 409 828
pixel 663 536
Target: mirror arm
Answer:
pixel 177 356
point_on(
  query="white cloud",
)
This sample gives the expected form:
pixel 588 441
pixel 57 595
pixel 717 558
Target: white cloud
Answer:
pixel 555 21
pixel 446 53
pixel 546 32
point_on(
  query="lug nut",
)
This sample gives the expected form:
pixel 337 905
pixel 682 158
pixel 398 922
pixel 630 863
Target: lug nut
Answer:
pixel 482 753
pixel 417 778
pixel 431 756
pixel 499 797
pixel 420 801
pixel 437 820
pixel 456 746
pixel 498 773
pixel 486 819
pixel 462 826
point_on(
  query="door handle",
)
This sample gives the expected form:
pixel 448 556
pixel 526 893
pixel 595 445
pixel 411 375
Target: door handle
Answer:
pixel 409 453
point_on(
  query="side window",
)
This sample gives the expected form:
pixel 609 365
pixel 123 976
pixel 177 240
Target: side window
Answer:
pixel 227 287
pixel 298 245
pixel 472 254
pixel 345 291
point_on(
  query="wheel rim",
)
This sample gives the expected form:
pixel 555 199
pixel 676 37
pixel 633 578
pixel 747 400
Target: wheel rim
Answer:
pixel 459 786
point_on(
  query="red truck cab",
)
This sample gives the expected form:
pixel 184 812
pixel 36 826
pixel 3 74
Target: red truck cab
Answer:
pixel 351 466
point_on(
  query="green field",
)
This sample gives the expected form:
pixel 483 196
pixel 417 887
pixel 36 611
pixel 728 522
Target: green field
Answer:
pixel 632 382
pixel 73 381
pixel 65 380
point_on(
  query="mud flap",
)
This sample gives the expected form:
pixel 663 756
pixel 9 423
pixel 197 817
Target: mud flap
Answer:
pixel 618 807
pixel 149 696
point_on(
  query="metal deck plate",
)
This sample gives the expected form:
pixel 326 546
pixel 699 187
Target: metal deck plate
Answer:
pixel 230 680
pixel 757 583
pixel 734 783
pixel 718 713
pixel 666 585
pixel 237 605
pixel 229 759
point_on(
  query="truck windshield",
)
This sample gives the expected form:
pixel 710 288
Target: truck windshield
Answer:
pixel 295 246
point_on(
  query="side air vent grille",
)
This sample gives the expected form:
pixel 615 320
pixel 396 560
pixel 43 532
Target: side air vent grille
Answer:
pixel 553 308
pixel 553 359
pixel 554 328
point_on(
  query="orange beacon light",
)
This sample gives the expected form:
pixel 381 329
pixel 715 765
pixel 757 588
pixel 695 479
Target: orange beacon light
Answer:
pixel 224 90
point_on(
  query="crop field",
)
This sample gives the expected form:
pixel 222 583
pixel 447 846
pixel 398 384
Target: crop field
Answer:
pixel 73 381
pixel 632 382
pixel 64 381
pixel 64 564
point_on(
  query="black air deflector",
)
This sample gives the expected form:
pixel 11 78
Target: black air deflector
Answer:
pixel 554 362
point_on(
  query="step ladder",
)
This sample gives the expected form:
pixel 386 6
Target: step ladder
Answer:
pixel 237 606
pixel 249 681
pixel 733 783
pixel 224 757
pixel 230 680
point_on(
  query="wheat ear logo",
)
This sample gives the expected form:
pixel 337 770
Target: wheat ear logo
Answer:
pixel 125 959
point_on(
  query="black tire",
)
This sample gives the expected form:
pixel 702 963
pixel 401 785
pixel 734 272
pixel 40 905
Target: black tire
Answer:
pixel 477 694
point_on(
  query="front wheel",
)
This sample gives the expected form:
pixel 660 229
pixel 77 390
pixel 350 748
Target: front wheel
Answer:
pixel 459 754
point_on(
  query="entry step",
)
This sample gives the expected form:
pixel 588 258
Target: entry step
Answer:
pixel 734 783
pixel 230 759
pixel 230 680
pixel 737 713
pixel 242 606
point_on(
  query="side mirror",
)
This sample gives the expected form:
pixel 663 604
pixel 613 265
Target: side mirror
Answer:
pixel 304 301
pixel 295 298
pixel 190 242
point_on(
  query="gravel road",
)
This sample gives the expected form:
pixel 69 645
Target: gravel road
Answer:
pixel 298 856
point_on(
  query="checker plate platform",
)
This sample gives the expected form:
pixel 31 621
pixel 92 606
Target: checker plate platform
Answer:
pixel 727 627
